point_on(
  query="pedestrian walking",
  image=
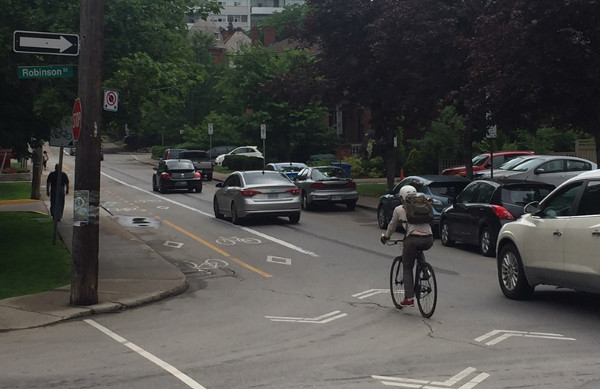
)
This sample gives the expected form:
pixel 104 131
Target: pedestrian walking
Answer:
pixel 45 159
pixel 57 187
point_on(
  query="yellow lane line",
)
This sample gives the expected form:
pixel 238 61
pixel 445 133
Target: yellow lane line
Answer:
pixel 215 248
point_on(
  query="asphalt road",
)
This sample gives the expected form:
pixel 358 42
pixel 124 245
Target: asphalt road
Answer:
pixel 274 305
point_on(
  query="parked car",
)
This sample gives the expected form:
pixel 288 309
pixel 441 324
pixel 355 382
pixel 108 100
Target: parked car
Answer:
pixel 326 185
pixel 484 161
pixel 290 169
pixel 214 152
pixel 486 174
pixel 201 161
pixel 172 174
pixel 257 193
pixel 551 169
pixel 171 153
pixel 438 188
pixel 483 207
pixel 556 242
pixel 249 151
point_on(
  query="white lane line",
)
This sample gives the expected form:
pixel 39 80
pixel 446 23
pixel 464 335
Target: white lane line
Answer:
pixel 265 236
pixel 157 361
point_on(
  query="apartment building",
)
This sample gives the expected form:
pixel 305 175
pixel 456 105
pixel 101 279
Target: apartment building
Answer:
pixel 245 13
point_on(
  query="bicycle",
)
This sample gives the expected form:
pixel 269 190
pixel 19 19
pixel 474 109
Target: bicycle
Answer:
pixel 425 282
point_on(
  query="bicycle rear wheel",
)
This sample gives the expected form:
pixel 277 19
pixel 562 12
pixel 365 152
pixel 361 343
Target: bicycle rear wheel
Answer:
pixel 426 289
pixel 396 282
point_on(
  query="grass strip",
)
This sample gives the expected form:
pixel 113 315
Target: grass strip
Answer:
pixel 29 262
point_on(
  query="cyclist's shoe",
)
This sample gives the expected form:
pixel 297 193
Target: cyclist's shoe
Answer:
pixel 407 303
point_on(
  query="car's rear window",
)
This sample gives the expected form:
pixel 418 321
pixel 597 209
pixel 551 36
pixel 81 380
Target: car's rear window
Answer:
pixel 448 189
pixel 328 172
pixel 260 178
pixel 180 165
pixel 193 155
pixel 523 196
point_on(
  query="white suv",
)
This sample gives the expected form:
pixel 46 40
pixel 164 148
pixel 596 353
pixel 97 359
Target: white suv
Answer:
pixel 557 241
pixel 249 151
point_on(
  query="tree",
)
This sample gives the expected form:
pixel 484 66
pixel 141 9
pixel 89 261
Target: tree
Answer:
pixel 398 58
pixel 537 63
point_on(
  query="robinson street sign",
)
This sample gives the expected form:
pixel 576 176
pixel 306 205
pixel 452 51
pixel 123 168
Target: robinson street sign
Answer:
pixel 35 42
pixel 55 71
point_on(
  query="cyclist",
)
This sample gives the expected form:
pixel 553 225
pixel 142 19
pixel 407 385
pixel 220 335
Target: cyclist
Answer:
pixel 419 237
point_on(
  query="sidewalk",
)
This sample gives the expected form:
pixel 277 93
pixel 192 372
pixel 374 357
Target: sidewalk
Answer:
pixel 130 272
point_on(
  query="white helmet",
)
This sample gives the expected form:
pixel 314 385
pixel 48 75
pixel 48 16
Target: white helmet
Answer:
pixel 407 190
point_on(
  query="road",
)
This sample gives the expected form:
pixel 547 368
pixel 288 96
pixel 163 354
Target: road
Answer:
pixel 274 305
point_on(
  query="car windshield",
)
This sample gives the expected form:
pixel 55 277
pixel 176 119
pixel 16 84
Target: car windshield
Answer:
pixel 508 165
pixel 181 165
pixel 288 168
pixel 527 164
pixel 480 159
pixel 260 178
pixel 447 189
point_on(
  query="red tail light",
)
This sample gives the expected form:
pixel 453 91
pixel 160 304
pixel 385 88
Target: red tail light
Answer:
pixel 249 192
pixel 197 175
pixel 502 213
pixel 166 175
pixel 317 185
pixel 294 191
pixel 351 185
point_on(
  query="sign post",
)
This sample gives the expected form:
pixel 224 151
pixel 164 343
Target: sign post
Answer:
pixel 263 136
pixel 210 134
pixel 77 118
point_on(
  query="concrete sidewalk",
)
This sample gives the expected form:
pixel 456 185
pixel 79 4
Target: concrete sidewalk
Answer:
pixel 130 272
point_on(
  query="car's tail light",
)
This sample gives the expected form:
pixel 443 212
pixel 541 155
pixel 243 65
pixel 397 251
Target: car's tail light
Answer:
pixel 197 175
pixel 502 213
pixel 294 191
pixel 351 185
pixel 166 175
pixel 317 185
pixel 249 192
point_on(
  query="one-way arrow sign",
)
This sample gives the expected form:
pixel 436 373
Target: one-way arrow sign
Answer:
pixel 45 43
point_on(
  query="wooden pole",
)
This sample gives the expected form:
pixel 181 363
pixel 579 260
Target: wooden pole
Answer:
pixel 84 275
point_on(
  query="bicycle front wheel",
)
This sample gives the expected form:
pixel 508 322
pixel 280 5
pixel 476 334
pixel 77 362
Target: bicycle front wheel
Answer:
pixel 426 289
pixel 396 282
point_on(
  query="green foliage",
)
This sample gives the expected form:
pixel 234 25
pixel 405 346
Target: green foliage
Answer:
pixel 414 163
pixel 285 22
pixel 373 167
pixel 243 162
pixel 548 139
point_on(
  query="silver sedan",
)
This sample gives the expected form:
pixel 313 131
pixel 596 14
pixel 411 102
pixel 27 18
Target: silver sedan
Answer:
pixel 326 185
pixel 257 193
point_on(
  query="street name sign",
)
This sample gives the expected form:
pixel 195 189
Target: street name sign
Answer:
pixel 35 42
pixel 55 71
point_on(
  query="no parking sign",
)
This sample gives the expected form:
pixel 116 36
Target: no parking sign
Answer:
pixel 111 100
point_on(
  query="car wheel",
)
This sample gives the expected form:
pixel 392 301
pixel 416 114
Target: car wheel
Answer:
pixel 154 187
pixel 381 219
pixel 511 276
pixel 351 205
pixel 209 177
pixel 199 189
pixel 235 219
pixel 445 233
pixel 294 218
pixel 161 188
pixel 486 242
pixel 218 213
pixel 305 204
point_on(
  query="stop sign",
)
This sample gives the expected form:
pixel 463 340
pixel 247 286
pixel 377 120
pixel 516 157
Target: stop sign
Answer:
pixel 76 119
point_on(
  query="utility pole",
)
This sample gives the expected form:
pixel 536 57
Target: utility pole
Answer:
pixel 84 273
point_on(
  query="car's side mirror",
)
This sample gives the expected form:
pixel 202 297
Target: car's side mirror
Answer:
pixel 219 185
pixel 155 168
pixel 538 171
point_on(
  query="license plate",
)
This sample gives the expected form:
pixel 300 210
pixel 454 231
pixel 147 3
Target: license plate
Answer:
pixel 272 195
pixel 336 198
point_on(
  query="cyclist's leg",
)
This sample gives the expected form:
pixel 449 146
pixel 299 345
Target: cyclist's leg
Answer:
pixel 409 253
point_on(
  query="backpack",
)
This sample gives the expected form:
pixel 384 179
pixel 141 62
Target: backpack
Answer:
pixel 418 209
